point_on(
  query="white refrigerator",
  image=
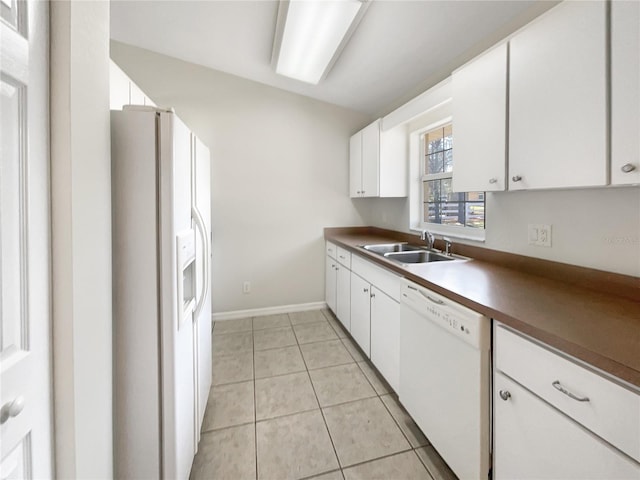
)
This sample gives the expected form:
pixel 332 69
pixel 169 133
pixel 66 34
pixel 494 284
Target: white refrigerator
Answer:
pixel 161 291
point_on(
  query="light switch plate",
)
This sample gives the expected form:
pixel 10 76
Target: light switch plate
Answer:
pixel 539 235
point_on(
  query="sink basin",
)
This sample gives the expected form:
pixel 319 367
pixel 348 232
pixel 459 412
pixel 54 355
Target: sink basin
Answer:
pixel 385 248
pixel 421 256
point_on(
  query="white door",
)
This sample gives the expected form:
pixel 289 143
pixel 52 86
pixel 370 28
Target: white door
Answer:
pixel 360 312
pixel 330 279
pixel 201 181
pixel 343 295
pixel 355 165
pixel 558 99
pixel 625 92
pixel 371 160
pixel 385 336
pixel 25 319
pixel 480 123
pixel 535 441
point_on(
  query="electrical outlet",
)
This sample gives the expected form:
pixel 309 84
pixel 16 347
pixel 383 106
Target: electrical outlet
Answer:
pixel 539 235
pixel 246 287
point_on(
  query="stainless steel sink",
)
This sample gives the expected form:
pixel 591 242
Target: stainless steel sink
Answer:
pixel 405 253
pixel 385 248
pixel 423 256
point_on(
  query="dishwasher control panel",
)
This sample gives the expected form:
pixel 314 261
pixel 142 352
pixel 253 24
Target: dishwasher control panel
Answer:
pixel 464 323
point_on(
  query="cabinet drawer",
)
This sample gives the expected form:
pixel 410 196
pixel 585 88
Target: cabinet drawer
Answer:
pixel 344 257
pixel 332 250
pixel 384 280
pixel 611 411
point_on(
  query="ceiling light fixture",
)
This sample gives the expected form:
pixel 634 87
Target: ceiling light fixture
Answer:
pixel 311 34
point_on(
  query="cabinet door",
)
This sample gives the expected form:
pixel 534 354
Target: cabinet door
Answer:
pixel 480 123
pixel 360 312
pixel 558 99
pixel 343 296
pixel 355 165
pixel 625 92
pixel 533 440
pixel 385 336
pixel 371 160
pixel 330 279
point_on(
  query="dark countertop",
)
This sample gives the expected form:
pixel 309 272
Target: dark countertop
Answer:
pixel 594 326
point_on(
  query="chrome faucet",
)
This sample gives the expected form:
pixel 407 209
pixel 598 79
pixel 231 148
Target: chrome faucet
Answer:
pixel 427 237
pixel 447 246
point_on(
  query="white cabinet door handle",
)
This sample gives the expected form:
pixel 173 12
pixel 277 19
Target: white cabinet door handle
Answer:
pixel 628 168
pixel 11 409
pixel 493 180
pixel 560 388
pixel 516 178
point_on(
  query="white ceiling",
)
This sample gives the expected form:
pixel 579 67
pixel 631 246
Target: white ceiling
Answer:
pixel 397 46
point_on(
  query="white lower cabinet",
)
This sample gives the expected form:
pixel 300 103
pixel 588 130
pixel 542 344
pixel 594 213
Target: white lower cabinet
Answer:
pixel 375 317
pixel 343 296
pixel 385 336
pixel 534 440
pixel 330 283
pixel 554 418
pixel 361 313
pixel 338 283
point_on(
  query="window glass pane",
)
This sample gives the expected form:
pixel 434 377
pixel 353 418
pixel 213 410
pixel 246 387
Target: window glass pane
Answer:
pixel 435 141
pixel 432 212
pixel 447 195
pixel 448 137
pixel 475 196
pixel 432 191
pixel 434 163
pixel 453 213
pixel 448 160
pixel 475 214
pixel 440 204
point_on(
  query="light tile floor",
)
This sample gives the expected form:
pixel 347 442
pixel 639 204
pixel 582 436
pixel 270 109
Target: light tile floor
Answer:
pixel 293 397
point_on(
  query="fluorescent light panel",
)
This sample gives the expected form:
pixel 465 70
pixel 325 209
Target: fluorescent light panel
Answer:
pixel 313 32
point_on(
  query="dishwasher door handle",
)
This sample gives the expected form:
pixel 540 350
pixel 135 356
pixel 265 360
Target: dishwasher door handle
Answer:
pixel 430 298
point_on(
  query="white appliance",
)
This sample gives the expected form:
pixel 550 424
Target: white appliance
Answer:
pixel 445 377
pixel 162 319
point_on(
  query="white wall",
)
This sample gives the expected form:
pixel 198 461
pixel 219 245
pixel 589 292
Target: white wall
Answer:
pixel 279 176
pixel 81 239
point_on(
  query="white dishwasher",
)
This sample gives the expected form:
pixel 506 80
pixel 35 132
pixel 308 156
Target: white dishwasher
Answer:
pixel 445 377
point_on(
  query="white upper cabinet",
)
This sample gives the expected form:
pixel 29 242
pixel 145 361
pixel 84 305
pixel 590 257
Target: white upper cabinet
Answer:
pixel 378 162
pixel 625 92
pixel 480 123
pixel 558 99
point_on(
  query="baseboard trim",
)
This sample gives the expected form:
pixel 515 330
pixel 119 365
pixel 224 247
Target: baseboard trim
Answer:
pixel 256 312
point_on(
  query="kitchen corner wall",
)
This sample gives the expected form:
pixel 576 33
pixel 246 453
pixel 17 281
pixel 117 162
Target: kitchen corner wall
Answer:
pixel 279 176
pixel 596 228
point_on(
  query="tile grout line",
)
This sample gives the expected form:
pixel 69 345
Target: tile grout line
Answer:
pixel 382 458
pixel 326 426
pixel 396 421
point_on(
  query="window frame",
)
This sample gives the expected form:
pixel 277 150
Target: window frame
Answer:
pixel 456 231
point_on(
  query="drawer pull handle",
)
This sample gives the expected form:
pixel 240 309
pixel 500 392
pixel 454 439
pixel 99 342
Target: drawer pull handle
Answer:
pixel 505 395
pixel 560 388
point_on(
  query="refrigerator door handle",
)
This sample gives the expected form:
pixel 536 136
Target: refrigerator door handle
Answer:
pixel 205 261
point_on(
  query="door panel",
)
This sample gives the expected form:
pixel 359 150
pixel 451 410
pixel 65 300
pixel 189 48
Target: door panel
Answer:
pixel 25 339
pixel 360 312
pixel 385 336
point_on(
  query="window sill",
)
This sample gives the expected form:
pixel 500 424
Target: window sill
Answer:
pixel 451 231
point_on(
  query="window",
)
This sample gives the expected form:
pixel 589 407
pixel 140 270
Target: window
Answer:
pixel 440 205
